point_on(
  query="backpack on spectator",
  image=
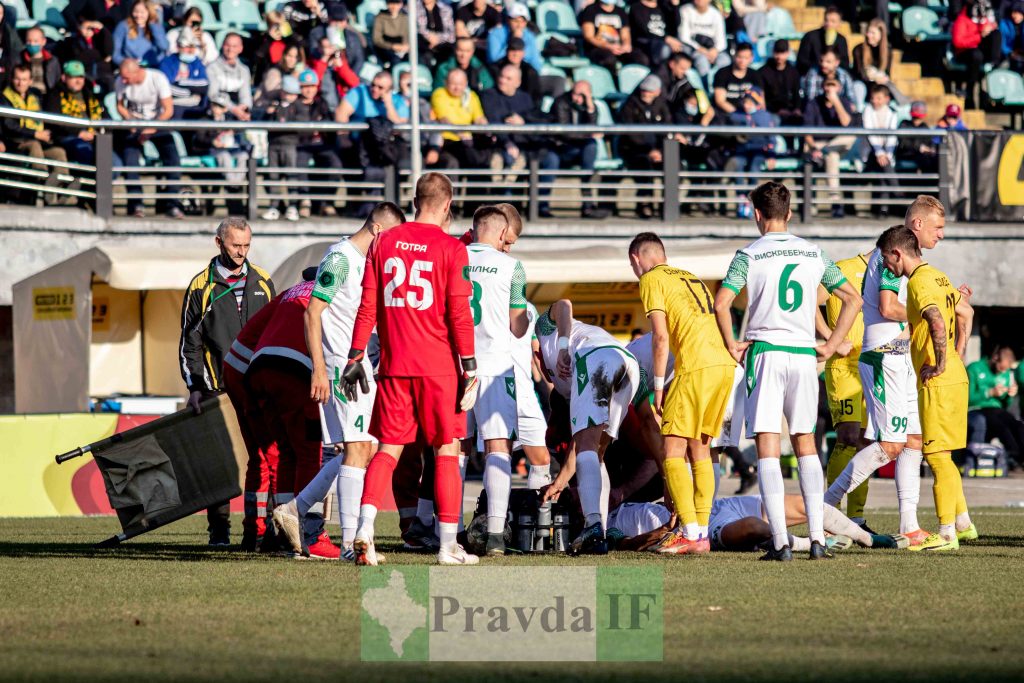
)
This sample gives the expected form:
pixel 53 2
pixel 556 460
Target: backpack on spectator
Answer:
pixel 556 47
pixel 379 145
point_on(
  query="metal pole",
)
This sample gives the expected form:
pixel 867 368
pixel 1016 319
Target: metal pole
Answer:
pixel 416 162
pixel 670 168
pixel 944 176
pixel 391 184
pixel 533 209
pixel 806 207
pixel 252 180
pixel 105 175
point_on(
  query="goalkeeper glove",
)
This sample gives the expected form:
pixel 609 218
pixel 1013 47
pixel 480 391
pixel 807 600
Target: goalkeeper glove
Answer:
pixel 469 385
pixel 355 373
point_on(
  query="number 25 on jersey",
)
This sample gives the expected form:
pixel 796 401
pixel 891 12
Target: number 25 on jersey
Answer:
pixel 419 293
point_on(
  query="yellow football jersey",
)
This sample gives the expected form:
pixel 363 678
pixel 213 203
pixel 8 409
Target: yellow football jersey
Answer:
pixel 690 314
pixel 853 270
pixel 928 286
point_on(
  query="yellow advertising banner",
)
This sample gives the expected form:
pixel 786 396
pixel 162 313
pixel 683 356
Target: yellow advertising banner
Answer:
pixel 53 303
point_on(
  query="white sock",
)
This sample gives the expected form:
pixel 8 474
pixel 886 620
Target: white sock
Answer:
pixel 367 516
pixel 498 485
pixel 908 488
pixel 773 498
pixel 812 487
pixel 799 543
pixel 963 521
pixel 350 492
pixel 588 476
pixel 447 533
pixel 857 471
pixel 606 490
pixel 838 523
pixel 947 531
pixel 318 487
pixel 538 477
pixel 462 503
pixel 703 531
pixel 691 531
pixel 425 512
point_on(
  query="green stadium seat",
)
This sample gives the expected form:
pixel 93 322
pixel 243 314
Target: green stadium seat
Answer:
pixel 1005 87
pixel 556 15
pixel 272 5
pixel 779 24
pixel 210 20
pixel 242 14
pixel 224 32
pixel 110 104
pixel 367 11
pixel 49 12
pixel 560 62
pixel 921 24
pixel 630 76
pixel 605 161
pixel 368 71
pixel 25 19
pixel 601 82
pixel 545 104
pixel 423 76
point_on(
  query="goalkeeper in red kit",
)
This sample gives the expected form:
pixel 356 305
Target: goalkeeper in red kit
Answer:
pixel 416 291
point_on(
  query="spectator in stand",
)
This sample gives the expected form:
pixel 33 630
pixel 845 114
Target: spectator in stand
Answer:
pixel 576 108
pixel 830 110
pixel 391 34
pixel 1012 31
pixel 922 151
pixel 27 136
pixel 303 16
pixel 140 36
pixel 951 119
pixel 187 76
pixel 642 151
pixel 878 152
pixel 782 86
pixel 333 72
pixel 976 43
pixel 702 30
pixel 228 147
pixel 145 95
pixel 516 56
pixel 275 41
pixel 871 60
pixel 365 102
pixel 754 14
pixel 700 150
pixel 436 28
pixel 72 98
pixel 456 104
pixel 193 23
pixel 10 46
pixel 828 67
pixel 680 93
pixel 44 66
pixel 292 63
pixel 735 81
pixel 108 12
pixel 992 390
pixel 229 76
pixel 93 46
pixel 506 103
pixel 752 151
pixel 814 42
pixel 517 17
pixel 649 29
pixel 343 37
pixel 465 58
pixel 606 37
pixel 475 20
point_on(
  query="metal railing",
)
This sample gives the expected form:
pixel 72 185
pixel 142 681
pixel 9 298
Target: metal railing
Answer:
pixel 672 185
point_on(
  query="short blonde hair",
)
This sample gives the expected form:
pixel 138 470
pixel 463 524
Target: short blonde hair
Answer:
pixel 515 221
pixel 922 206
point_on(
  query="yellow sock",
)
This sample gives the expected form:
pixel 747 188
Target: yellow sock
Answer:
pixel 946 486
pixel 704 490
pixel 961 499
pixel 838 459
pixel 680 487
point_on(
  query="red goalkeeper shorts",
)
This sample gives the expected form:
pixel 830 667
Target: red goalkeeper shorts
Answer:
pixel 406 405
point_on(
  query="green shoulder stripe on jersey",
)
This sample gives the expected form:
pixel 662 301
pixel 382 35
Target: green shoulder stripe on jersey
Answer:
pixel 888 282
pixel 643 392
pixel 517 298
pixel 759 347
pixel 332 274
pixel 832 278
pixel 545 325
pixel 736 277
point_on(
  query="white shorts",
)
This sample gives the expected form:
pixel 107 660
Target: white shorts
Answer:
pixel 602 388
pixel 636 519
pixel 784 384
pixel 732 424
pixel 344 421
pixel 890 396
pixel 495 414
pixel 725 511
pixel 533 428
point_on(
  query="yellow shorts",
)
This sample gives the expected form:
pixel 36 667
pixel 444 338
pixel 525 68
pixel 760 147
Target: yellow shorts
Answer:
pixel 845 397
pixel 943 412
pixel 697 401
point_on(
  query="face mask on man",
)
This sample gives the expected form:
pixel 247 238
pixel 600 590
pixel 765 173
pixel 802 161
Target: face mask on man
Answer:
pixel 187 58
pixel 34 49
pixel 691 109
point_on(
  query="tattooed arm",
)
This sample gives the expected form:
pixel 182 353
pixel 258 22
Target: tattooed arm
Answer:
pixel 964 323
pixel 937 331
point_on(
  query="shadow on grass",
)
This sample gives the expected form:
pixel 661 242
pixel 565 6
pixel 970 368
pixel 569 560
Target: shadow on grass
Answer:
pixel 174 552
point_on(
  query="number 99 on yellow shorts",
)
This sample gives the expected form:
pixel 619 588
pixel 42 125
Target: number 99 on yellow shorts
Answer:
pixel 845 397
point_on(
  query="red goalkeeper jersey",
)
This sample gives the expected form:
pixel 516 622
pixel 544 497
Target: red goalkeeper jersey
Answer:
pixel 416 291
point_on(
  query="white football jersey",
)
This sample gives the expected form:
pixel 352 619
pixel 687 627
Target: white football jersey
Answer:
pixel 339 282
pixel 781 273
pixel 499 283
pixel 522 347
pixel 583 338
pixel 879 330
pixel 643 351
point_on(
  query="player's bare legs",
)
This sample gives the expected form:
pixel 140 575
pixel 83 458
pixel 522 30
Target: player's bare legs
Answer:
pixel 378 479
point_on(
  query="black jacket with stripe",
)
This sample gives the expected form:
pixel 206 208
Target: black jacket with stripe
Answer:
pixel 211 319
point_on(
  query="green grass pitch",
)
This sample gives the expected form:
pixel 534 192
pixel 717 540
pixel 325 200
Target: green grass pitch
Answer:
pixel 165 608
